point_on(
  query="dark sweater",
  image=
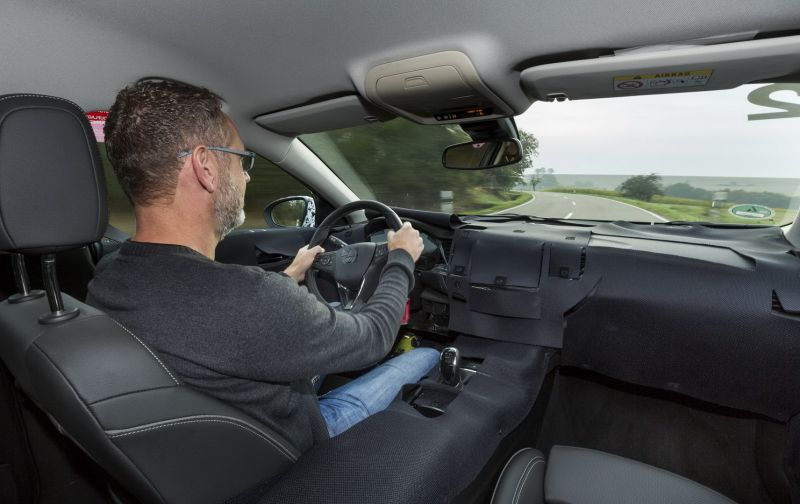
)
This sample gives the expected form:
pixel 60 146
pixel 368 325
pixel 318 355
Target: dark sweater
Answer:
pixel 250 338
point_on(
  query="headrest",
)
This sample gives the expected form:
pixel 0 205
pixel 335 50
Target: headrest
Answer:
pixel 52 187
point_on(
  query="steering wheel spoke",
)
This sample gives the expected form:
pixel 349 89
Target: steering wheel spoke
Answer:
pixel 326 262
pixel 355 268
pixel 349 297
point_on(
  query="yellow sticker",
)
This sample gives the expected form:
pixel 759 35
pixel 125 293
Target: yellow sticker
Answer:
pixel 663 80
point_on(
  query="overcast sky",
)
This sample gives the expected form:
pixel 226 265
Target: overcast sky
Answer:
pixel 702 134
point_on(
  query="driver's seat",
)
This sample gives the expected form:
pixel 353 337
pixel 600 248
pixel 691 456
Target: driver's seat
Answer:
pixel 99 383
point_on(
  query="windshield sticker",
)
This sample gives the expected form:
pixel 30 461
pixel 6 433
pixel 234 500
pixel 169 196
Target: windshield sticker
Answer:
pixel 97 118
pixel 763 98
pixel 664 80
pixel 751 211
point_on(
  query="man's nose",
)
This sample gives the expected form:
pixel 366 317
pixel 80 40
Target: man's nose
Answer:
pixel 246 177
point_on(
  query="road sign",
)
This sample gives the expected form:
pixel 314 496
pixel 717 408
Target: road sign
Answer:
pixel 751 211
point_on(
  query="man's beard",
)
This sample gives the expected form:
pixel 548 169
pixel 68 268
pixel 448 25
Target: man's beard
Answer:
pixel 228 207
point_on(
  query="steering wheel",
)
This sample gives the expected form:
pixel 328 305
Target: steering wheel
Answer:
pixel 356 268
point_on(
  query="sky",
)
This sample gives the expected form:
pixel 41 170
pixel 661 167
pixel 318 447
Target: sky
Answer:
pixel 687 134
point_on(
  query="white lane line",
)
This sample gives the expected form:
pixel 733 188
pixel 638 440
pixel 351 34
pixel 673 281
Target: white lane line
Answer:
pixel 573 203
pixel 569 215
pixel 533 198
pixel 564 197
pixel 662 219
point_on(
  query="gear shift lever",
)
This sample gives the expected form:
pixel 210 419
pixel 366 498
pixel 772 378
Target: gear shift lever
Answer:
pixel 449 364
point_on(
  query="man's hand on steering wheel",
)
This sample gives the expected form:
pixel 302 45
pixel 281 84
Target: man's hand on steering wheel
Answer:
pixel 406 238
pixel 355 268
pixel 302 261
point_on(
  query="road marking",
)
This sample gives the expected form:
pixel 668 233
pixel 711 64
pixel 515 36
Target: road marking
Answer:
pixel 573 203
pixel 662 219
pixel 569 215
pixel 533 198
pixel 564 197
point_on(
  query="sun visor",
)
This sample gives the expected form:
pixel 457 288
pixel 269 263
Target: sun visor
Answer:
pixel 336 113
pixel 679 69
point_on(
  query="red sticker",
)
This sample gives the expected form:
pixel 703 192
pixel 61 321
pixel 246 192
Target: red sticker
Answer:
pixel 406 313
pixel 97 118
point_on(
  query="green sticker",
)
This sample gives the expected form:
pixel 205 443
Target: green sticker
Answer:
pixel 751 211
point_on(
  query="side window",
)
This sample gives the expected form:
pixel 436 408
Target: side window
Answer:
pixel 268 182
pixel 120 210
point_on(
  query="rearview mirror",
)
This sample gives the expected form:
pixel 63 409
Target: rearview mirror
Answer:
pixel 482 155
pixel 294 211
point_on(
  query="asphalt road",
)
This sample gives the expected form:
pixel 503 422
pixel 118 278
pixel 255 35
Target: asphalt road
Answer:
pixel 582 206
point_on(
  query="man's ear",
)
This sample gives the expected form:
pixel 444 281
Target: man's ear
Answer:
pixel 204 172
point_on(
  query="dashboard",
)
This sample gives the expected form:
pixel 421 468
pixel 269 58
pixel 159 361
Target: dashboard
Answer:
pixel 430 245
pixel 711 312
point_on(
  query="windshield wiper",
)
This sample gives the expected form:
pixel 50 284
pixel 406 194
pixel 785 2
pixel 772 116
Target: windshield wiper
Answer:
pixel 513 217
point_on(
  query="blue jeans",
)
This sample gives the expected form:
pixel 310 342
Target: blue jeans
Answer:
pixel 370 393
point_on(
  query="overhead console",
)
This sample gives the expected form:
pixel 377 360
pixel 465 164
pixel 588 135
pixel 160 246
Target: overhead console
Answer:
pixel 437 88
pixel 665 69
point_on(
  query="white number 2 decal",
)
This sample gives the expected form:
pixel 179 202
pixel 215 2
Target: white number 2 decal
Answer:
pixel 761 97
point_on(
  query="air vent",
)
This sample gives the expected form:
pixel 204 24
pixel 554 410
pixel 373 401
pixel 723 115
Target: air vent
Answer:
pixel 447 247
pixel 786 309
pixel 776 304
pixel 583 260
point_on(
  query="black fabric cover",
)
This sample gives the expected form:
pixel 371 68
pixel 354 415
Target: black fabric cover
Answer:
pixel 52 187
pixel 399 456
pixel 581 476
pixel 684 321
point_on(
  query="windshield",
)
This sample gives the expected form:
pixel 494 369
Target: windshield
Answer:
pixel 714 156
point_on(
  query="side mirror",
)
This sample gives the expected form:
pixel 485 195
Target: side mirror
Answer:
pixel 294 211
pixel 482 155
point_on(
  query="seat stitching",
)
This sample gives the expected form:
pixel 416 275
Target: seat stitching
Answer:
pixel 34 95
pixel 516 489
pixel 499 479
pixel 525 479
pixel 246 427
pixel 150 351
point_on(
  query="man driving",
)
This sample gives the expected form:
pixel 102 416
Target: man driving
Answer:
pixel 248 337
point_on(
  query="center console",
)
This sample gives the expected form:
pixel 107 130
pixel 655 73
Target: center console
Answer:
pixel 431 397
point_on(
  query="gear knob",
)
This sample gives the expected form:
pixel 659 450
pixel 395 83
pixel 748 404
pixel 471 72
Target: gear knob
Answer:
pixel 449 364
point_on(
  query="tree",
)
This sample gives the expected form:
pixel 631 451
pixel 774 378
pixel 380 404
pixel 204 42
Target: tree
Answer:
pixel 530 149
pixel 685 190
pixel 543 176
pixel 503 179
pixel 641 187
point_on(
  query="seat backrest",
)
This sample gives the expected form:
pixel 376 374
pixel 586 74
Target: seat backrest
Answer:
pixel 99 383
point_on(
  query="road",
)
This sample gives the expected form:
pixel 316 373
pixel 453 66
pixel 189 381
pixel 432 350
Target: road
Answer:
pixel 582 206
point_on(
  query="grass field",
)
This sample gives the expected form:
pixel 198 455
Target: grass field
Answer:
pixel 485 202
pixel 789 186
pixel 685 209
